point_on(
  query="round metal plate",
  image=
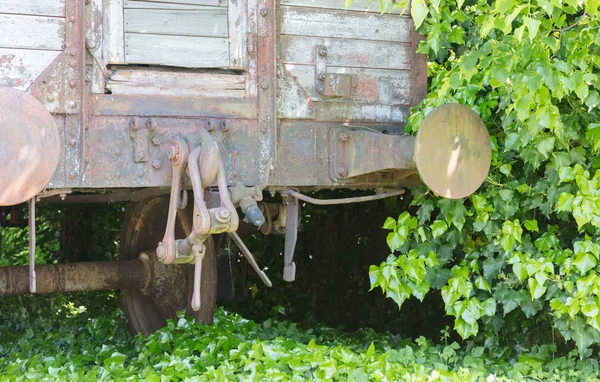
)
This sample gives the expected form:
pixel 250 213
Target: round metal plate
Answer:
pixel 29 146
pixel 453 151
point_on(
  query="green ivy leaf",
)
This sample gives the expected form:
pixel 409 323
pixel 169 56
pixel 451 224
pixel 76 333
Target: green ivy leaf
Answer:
pixel 531 225
pixel 419 12
pixel 438 228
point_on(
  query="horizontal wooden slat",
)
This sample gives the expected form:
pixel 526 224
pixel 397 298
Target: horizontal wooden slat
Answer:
pixel 169 106
pixel 342 24
pixel 177 83
pixel 214 3
pixel 341 112
pixel 134 4
pixel 348 53
pixel 34 7
pixel 20 67
pixel 205 21
pixel 185 51
pixel 31 32
pixel 356 5
pixel 382 86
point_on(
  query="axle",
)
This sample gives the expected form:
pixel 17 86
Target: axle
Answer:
pixel 76 277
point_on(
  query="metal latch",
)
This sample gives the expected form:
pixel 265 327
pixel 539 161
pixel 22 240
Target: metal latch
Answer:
pixel 330 84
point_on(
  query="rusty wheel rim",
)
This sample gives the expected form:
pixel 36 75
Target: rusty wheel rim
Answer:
pixel 171 288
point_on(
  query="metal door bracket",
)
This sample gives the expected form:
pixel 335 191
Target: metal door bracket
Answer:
pixel 141 133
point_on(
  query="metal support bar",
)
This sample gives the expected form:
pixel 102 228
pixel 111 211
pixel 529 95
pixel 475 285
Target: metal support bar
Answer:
pixel 248 255
pixel 292 211
pixel 76 277
pixel 32 276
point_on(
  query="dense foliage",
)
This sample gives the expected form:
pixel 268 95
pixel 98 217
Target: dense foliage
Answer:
pixel 517 262
pixel 83 338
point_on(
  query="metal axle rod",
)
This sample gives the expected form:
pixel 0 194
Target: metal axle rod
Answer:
pixel 76 277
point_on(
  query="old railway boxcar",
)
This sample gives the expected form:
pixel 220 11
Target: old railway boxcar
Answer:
pixel 191 109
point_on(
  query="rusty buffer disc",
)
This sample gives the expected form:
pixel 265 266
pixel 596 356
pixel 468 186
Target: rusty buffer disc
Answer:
pixel 29 146
pixel 453 151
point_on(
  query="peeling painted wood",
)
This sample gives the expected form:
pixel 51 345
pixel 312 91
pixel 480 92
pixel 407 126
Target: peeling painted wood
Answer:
pixel 113 44
pixel 356 5
pixel 348 53
pixel 162 82
pixel 94 34
pixel 20 67
pixel 54 8
pixel 134 4
pixel 344 24
pixel 237 25
pixel 355 112
pixel 251 48
pixel 185 2
pixel 183 51
pixel 204 21
pixel 381 86
pixel 31 32
pixel 170 106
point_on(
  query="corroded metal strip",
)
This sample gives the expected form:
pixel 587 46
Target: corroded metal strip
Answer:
pixel 76 277
pixel 172 106
pixel 418 69
pixel 267 97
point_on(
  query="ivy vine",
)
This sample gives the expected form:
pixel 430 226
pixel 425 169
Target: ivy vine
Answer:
pixel 517 261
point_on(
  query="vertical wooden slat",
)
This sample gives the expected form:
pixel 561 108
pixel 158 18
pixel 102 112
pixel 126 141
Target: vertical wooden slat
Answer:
pixel 237 20
pixel 251 40
pixel 114 45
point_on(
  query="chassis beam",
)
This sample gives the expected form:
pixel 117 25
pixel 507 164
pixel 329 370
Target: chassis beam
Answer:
pixel 76 277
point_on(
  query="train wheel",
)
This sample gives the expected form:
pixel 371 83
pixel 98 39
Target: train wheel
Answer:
pixel 171 287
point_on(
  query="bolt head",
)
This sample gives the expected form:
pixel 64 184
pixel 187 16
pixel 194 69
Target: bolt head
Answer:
pixel 321 76
pixel 264 11
pixel 322 51
pixel 342 171
pixel 223 215
pixel 156 164
pixel 343 136
pixel 155 140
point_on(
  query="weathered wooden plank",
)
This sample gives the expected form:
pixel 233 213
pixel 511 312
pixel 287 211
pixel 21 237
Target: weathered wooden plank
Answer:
pixel 94 35
pixel 341 24
pixel 162 82
pixel 170 106
pixel 113 44
pixel 382 86
pixel 205 21
pixel 54 8
pixel 333 111
pixel 135 4
pixel 348 53
pixel 237 19
pixel 184 51
pixel 165 3
pixel 20 67
pixel 31 32
pixel 356 5
pixel 251 47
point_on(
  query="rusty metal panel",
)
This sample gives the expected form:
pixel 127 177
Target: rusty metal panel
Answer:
pixel 114 164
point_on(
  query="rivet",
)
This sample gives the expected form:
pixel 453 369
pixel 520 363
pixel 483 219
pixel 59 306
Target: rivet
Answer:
pixel 73 142
pixel 155 140
pixel 72 19
pixel 264 11
pixel 156 164
pixel 264 85
pixel 322 51
pixel 140 173
pixel 342 171
pixel 50 97
pixel 117 175
pixel 72 63
pixel 72 104
pixel 90 43
pixel 321 76
pixel 72 84
pixel 73 53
